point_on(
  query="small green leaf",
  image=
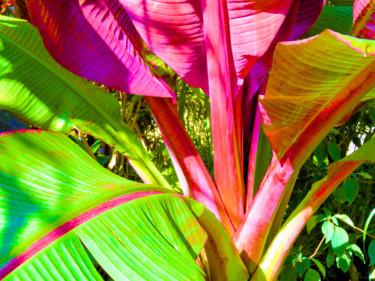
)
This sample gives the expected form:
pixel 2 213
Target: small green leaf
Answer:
pixel 312 275
pixel 330 260
pixel 95 146
pixel 102 158
pixel 358 252
pixel 335 132
pixel 321 152
pixel 289 260
pixel 327 212
pixel 340 241
pixel 320 267
pixel 328 230
pixel 351 188
pixel 343 262
pixel 334 151
pixel 335 221
pixel 365 175
pixel 345 219
pixel 371 252
pixel 321 217
pixel 311 223
pixel 301 268
pixel 289 274
pixel 306 261
pixel 340 194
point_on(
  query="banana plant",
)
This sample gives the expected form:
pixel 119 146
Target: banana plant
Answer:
pixel 63 217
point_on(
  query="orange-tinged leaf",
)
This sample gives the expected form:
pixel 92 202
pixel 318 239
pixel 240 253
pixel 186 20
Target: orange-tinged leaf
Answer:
pixel 314 83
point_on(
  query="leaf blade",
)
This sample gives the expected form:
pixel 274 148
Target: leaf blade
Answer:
pixel 39 91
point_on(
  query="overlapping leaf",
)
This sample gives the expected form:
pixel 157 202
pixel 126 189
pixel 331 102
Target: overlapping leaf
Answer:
pixel 339 19
pixel 94 39
pixel 153 238
pixel 50 186
pixel 306 96
pixel 46 177
pixel 342 2
pixel 39 91
pixel 363 19
pixel 74 34
pixel 308 13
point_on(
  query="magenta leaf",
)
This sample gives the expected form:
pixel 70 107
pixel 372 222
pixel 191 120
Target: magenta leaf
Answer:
pixel 94 39
pixel 307 15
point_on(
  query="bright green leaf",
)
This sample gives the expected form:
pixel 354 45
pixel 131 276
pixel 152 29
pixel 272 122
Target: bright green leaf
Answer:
pixel 358 252
pixel 167 243
pixel 340 240
pixel 312 275
pixel 365 175
pixel 95 146
pixel 345 219
pixel 39 91
pixel 335 221
pixel 328 230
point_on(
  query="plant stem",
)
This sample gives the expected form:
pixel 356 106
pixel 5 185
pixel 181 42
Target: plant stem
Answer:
pixel 317 248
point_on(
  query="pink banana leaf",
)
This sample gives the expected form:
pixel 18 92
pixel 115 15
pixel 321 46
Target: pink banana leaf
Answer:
pixel 297 114
pixel 225 73
pixel 301 17
pixel 307 15
pixel 237 34
pixel 95 39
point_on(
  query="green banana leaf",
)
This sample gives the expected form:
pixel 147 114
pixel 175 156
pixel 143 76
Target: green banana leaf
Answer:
pixel 42 93
pixel 336 18
pixel 53 196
